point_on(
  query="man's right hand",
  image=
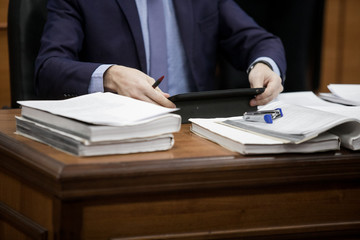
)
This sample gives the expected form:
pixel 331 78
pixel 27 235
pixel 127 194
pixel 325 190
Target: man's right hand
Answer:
pixel 133 83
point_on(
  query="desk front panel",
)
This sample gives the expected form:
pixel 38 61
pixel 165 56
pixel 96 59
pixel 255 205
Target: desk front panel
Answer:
pixel 197 190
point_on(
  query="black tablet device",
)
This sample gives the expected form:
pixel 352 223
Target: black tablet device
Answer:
pixel 217 103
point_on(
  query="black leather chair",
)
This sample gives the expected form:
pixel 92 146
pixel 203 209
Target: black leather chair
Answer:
pixel 26 20
pixel 299 24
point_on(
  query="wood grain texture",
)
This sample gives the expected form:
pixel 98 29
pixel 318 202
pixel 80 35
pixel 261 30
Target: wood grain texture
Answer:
pixel 351 52
pixel 4 68
pixel 25 208
pixel 332 44
pixel 19 221
pixel 4 57
pixel 341 51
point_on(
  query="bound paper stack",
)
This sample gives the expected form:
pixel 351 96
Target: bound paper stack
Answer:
pixel 300 130
pixel 99 124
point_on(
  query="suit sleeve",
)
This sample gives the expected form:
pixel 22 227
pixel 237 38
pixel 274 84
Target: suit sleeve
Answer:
pixel 58 71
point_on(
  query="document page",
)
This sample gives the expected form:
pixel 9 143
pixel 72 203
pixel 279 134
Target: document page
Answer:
pixel 349 92
pixel 101 108
pixel 310 100
pixel 303 98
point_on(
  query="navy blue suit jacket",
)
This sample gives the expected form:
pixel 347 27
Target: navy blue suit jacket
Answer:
pixel 80 35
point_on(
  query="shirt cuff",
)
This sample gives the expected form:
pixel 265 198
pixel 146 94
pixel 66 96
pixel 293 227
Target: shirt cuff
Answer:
pixel 97 79
pixel 274 66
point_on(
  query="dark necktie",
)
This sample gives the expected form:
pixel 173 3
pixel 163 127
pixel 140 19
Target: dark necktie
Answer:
pixel 157 39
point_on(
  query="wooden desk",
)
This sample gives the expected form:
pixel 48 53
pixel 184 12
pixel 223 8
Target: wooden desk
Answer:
pixel 197 190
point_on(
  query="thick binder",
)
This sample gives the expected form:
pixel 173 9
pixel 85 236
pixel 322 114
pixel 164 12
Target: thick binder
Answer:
pixel 214 104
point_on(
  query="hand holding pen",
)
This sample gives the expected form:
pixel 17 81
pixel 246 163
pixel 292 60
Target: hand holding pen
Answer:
pixel 134 83
pixel 156 84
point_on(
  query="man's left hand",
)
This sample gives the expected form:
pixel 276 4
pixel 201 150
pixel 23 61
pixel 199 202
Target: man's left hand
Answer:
pixel 262 76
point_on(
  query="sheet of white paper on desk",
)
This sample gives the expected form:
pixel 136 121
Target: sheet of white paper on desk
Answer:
pixel 101 108
pixel 310 100
pixel 330 97
pixel 350 92
pixel 348 111
pixel 303 98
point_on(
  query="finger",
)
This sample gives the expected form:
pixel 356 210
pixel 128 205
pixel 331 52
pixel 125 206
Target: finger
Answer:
pixel 271 92
pixel 159 98
pixel 159 90
pixel 147 99
pixel 166 95
pixel 163 101
pixel 262 101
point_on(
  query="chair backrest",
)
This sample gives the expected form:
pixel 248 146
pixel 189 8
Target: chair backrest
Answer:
pixel 26 19
pixel 299 24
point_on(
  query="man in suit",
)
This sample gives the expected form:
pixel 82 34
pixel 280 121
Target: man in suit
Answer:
pixel 92 45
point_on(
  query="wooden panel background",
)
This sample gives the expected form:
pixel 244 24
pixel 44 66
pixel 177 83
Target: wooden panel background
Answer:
pixel 341 50
pixel 4 56
pixel 351 54
pixel 340 58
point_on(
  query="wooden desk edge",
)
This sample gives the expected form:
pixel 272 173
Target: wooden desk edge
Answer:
pixel 130 177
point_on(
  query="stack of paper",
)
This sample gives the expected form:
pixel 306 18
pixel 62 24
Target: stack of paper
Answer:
pixel 301 129
pixel 99 124
pixel 245 142
pixel 347 94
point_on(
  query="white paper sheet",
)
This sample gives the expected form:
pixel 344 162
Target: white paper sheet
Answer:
pixel 350 92
pixel 101 108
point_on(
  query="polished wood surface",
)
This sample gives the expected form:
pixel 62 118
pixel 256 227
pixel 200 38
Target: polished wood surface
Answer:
pixel 197 190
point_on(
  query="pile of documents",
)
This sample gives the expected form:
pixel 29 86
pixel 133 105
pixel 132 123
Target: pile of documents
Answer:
pixel 99 124
pixel 318 126
pixel 347 94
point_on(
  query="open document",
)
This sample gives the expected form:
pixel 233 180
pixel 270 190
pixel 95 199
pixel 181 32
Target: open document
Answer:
pixel 300 124
pixel 308 99
pixel 309 124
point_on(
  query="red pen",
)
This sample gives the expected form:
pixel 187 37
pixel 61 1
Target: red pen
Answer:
pixel 157 82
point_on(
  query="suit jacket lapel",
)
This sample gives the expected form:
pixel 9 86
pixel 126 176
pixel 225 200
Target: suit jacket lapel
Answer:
pixel 185 19
pixel 131 13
